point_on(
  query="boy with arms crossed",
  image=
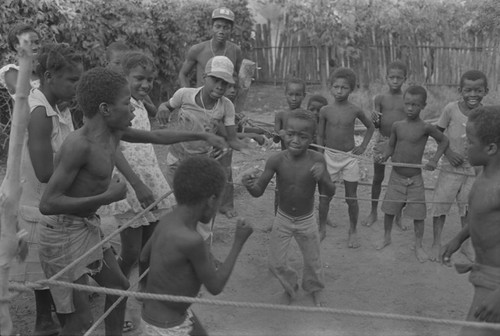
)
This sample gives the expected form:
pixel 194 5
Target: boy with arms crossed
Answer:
pixel 407 145
pixel 80 184
pixel 482 226
pixel 389 108
pixel 298 171
pixel 177 254
pixel 457 176
pixel 336 130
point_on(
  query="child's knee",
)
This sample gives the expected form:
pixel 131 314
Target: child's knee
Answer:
pixel 351 202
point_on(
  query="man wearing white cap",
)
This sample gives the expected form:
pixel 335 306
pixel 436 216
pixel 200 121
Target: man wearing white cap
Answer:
pixel 218 45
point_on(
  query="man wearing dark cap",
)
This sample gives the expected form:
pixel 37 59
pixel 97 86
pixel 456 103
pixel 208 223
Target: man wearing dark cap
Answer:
pixel 218 45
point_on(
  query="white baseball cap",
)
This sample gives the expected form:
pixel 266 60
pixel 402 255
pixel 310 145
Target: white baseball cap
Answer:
pixel 220 67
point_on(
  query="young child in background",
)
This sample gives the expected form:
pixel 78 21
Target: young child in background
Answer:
pixel 457 174
pixel 336 131
pixel 295 92
pixel 34 36
pixel 315 103
pixel 114 55
pixel 227 204
pixel 179 260
pixel 298 171
pixel 406 185
pixel 389 108
pixel 81 183
pixel 59 69
pixel 482 225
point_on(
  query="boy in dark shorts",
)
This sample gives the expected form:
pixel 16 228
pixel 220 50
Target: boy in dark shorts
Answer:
pixel 406 185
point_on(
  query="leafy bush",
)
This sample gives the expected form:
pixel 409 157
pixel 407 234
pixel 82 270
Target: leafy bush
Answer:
pixel 162 28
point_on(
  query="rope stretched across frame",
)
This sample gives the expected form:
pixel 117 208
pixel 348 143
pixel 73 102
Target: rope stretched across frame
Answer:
pixel 258 305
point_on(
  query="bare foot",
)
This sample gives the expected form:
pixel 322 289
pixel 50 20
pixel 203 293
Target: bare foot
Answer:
pixel 318 298
pixel 399 223
pixel 435 249
pixel 322 233
pixel 352 240
pixel 467 250
pixel 421 255
pixel 370 220
pixel 229 212
pixel 383 243
pixel 330 223
pixel 46 326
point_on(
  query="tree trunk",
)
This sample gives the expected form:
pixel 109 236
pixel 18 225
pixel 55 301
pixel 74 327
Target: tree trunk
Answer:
pixel 10 190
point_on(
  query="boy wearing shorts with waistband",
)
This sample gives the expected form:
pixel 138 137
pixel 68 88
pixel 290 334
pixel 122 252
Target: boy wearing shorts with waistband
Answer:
pixel 80 184
pixel 457 175
pixel 389 108
pixel 298 170
pixel 406 185
pixel 336 131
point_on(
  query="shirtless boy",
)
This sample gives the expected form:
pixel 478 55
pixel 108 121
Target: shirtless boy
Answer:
pixel 199 54
pixel 336 131
pixel 80 184
pixel 298 170
pixel 389 108
pixel 177 254
pixel 295 92
pixel 406 185
pixel 483 137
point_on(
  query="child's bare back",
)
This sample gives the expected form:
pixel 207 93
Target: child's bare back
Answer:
pixel 170 270
pixel 483 218
pixel 337 123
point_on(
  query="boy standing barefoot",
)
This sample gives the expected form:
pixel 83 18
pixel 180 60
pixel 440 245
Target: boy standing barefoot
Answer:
pixel 389 108
pixel 177 254
pixel 457 176
pixel 406 185
pixel 483 138
pixel 297 170
pixel 336 131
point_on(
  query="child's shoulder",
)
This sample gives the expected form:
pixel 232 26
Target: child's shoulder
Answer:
pixel 315 156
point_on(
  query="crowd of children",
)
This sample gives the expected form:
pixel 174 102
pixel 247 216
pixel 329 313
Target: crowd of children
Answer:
pixel 108 167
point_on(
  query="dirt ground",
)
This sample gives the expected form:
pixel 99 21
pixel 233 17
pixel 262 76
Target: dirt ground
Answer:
pixel 389 281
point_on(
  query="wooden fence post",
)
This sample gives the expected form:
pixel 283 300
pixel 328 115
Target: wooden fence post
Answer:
pixel 10 190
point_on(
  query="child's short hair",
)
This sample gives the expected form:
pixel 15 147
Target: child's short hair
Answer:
pixel 134 59
pixel 97 86
pixel 197 179
pixel 417 90
pixel 295 80
pixel 486 120
pixel 398 65
pixel 317 98
pixel 346 74
pixel 305 115
pixel 55 57
pixel 473 75
pixel 16 31
pixel 117 46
